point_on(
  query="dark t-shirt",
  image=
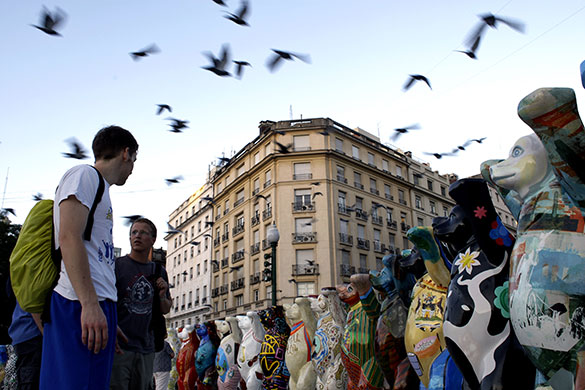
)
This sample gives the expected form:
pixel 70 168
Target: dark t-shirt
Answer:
pixel 136 288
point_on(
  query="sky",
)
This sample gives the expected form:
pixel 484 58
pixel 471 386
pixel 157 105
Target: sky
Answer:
pixel 54 88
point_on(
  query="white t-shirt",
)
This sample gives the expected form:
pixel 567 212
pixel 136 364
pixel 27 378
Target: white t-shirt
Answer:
pixel 82 182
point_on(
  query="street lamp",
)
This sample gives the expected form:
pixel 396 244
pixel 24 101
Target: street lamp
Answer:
pixel 272 235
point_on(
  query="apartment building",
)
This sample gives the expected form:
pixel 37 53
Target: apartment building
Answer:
pixel 339 197
pixel 189 255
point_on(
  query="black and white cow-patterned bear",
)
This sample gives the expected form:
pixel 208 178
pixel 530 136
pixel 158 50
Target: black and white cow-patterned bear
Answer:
pixel 477 328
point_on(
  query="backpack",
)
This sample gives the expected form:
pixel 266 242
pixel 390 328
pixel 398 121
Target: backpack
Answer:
pixel 35 264
pixel 158 322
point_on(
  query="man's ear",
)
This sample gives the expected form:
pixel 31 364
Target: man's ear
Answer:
pixel 126 154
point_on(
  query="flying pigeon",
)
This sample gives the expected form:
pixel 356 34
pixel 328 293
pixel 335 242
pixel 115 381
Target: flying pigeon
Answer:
pixel 239 16
pixel 152 49
pixel 77 150
pixel 492 21
pixel 403 130
pixel 415 77
pixel 174 180
pixel 162 107
pixel 280 55
pixel 219 64
pixel 240 68
pixel 49 22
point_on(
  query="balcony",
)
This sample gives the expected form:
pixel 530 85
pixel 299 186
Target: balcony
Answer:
pixel 215 292
pixel 265 244
pixel 378 246
pixel 358 185
pixel 256 219
pixel 214 266
pixel 216 241
pixel 225 237
pixel 218 216
pixel 237 284
pixel 404 227
pixel 300 207
pixel 361 214
pixel 196 303
pixel 237 256
pixel 189 304
pixel 347 270
pixel 223 289
pixel 341 179
pixel 377 220
pixel 254 248
pixel 203 300
pixel 267 183
pixel 224 263
pixel 389 197
pixel 302 176
pixel 345 239
pixel 391 224
pixel 255 278
pixel 238 202
pixel 238 229
pixel 255 191
pixel 419 207
pixel 374 191
pixel 363 244
pixel 267 214
pixel 226 211
pixel 301 148
pixel 305 269
pixel 342 209
pixel 402 201
pixel 302 238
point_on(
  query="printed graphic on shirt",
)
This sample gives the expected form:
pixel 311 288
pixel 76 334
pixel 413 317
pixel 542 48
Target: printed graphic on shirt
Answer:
pixel 106 253
pixel 139 296
pixel 110 214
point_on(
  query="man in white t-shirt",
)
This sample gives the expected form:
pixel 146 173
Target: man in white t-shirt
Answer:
pixel 79 339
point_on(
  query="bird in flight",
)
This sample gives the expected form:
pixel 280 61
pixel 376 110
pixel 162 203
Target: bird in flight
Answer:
pixel 403 130
pixel 219 64
pixel 471 52
pixel 492 21
pixel 162 107
pixel 279 55
pixel 172 230
pixel 240 68
pixel 178 125
pixel 38 197
pixel 239 16
pixel 77 150
pixel 174 180
pixel 316 193
pixel 152 49
pixel 324 133
pixel 195 242
pixel 208 199
pixel 438 156
pixel 236 268
pixel 50 22
pixel 258 196
pixel 283 148
pixel 220 2
pixel 209 223
pixel 8 210
pixel 129 219
pixel 413 78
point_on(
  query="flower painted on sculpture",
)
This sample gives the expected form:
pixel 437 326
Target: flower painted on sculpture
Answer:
pixel 500 234
pixel 502 300
pixel 480 212
pixel 466 261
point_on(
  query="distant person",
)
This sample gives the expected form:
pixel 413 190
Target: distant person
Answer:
pixel 79 339
pixel 27 341
pixel 137 285
pixel 163 363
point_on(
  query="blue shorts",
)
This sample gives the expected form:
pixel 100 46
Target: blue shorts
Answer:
pixel 67 364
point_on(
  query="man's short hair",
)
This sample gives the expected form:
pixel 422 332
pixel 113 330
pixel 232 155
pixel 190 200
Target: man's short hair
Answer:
pixel 148 222
pixel 111 140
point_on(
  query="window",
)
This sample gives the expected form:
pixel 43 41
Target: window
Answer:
pixel 363 262
pixel 304 256
pixel 357 179
pixel 267 150
pixel 371 159
pixel 398 171
pixel 373 186
pixel 267 178
pixel 198 228
pixel 416 178
pixel 191 273
pixel 240 170
pixel 302 171
pixel 340 173
pixel 305 289
pixel 198 269
pixel 387 192
pixel 443 191
pixel 226 228
pixel 268 202
pixel 240 219
pixel 239 300
pixel 392 240
pixel 405 242
pixel 430 184
pixel 303 225
pixel 341 196
pixel 339 144
pixel 445 211
pixel 240 245
pixel 433 207
pixel 256 158
pixel 269 292
pixel 239 197
pixel 204 291
pixel 359 203
pixel 256 295
pixel 218 188
pixel 344 257
pixel 227 207
pixel 420 221
pixel 225 304
pixel 302 197
pixel 417 202
pixel 361 231
pixel 218 213
pixel 355 152
pixel 344 226
pixel 256 186
pixel 227 180
pixel 401 197
pixel 403 217
pixel 385 166
pixel 204 267
pixel 377 235
pixel 379 264
pixel 301 143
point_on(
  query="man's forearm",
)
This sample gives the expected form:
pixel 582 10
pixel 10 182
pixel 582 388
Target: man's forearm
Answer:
pixel 166 304
pixel 77 266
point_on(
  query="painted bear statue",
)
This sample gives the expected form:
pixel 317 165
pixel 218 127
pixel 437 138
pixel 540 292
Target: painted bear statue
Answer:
pixel 299 348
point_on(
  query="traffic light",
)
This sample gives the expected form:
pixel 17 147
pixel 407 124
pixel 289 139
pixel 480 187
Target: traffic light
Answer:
pixel 267 273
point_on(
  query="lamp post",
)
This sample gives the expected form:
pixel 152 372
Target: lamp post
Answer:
pixel 272 235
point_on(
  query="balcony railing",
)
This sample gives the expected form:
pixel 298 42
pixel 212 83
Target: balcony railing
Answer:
pixel 301 148
pixel 256 219
pixel 216 241
pixel 255 191
pixel 402 201
pixel 305 269
pixel 363 243
pixel 342 209
pixel 215 292
pixel 265 244
pixel 404 227
pixel 238 229
pixel 389 197
pixel 267 214
pixel 254 248
pixel 341 179
pixel 347 270
pixel 374 191
pixel 358 185
pixel 237 284
pixel 302 176
pixel 255 279
pixel 418 206
pixel 300 207
pixel 223 289
pixel 238 202
pixel 378 246
pixel 301 238
pixel 214 266
pixel 225 237
pixel 391 224
pixel 218 216
pixel 345 239
pixel 267 183
pixel 377 219
pixel 361 214
pixel 224 263
pixel 237 256
pixel 227 210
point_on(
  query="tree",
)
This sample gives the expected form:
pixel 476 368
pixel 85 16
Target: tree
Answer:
pixel 9 233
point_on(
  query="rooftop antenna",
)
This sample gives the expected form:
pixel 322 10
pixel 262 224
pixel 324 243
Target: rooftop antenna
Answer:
pixel 290 114
pixel 5 185
pixel 378 124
